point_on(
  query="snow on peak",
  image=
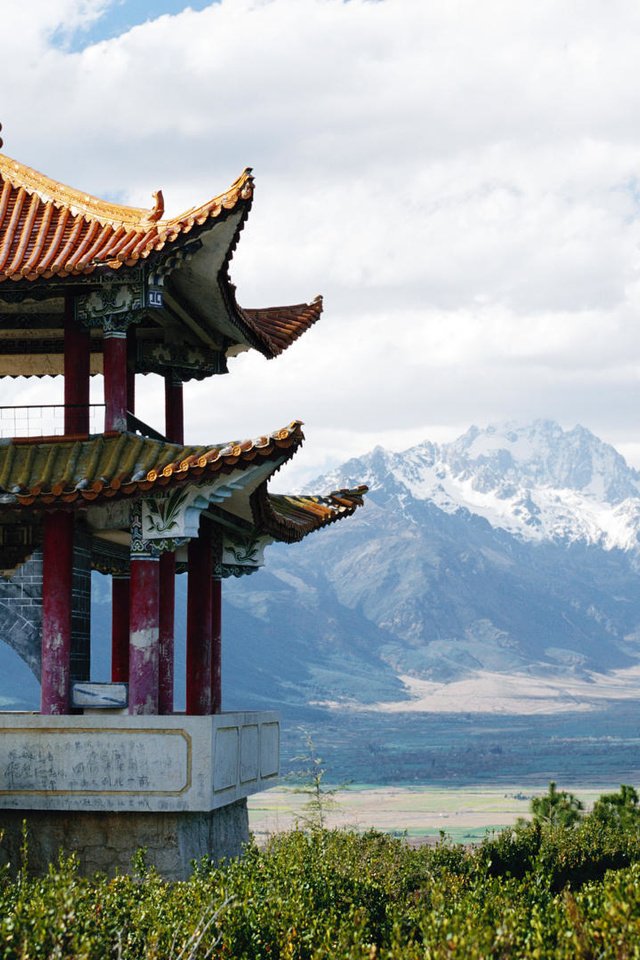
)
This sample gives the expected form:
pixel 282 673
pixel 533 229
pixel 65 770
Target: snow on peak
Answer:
pixel 537 481
pixel 543 454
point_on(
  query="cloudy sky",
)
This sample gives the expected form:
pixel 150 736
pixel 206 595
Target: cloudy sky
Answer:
pixel 460 179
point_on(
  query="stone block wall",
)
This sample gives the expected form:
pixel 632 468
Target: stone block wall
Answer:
pixel 106 842
pixel 21 609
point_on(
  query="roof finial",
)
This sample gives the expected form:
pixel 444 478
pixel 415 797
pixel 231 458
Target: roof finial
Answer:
pixel 155 214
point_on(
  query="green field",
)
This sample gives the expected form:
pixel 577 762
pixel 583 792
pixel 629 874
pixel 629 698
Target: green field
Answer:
pixel 465 814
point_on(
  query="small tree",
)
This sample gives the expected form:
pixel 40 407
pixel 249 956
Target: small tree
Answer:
pixel 321 799
pixel 556 807
pixel 621 809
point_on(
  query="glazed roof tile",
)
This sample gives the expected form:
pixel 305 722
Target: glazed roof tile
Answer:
pixel 290 518
pixel 50 230
pixel 278 327
pixel 53 473
pixel 66 471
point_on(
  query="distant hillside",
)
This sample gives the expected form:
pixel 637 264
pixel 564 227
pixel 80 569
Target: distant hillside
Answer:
pixel 511 553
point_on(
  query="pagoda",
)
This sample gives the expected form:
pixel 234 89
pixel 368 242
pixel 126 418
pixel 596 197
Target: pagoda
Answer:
pixel 88 288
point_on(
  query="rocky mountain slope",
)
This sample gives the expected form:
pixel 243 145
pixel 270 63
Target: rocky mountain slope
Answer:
pixel 513 550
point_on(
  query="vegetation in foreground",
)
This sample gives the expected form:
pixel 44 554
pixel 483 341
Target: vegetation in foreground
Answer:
pixel 564 885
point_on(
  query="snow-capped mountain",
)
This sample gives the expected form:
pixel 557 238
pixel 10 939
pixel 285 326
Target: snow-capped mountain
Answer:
pixel 537 482
pixel 512 552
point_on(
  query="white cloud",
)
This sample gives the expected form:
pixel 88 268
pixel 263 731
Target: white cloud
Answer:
pixel 461 180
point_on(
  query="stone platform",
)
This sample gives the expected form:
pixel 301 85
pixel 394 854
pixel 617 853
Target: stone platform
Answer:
pixel 107 842
pixel 104 786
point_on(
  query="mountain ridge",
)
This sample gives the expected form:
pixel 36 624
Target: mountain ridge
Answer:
pixel 536 481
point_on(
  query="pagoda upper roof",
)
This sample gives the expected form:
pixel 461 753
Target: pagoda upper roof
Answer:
pixel 278 327
pixel 53 473
pixel 50 230
pixel 53 237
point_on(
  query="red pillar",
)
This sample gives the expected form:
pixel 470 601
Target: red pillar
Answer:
pixel 199 622
pixel 57 573
pixel 216 645
pixel 120 629
pixel 115 380
pixel 173 409
pixel 131 369
pixel 166 631
pixel 143 637
pixel 173 431
pixel 76 373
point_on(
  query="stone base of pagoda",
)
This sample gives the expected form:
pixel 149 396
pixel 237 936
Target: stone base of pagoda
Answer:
pixel 108 842
pixel 103 786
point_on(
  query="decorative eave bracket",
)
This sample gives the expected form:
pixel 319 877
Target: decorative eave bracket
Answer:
pixel 167 523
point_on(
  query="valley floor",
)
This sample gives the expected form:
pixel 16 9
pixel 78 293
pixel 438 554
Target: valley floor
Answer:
pixel 465 814
pixel 524 694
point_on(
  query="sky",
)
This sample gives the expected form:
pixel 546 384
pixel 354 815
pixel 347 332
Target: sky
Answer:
pixel 460 180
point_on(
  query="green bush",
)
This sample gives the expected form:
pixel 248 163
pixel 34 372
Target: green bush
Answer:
pixel 540 890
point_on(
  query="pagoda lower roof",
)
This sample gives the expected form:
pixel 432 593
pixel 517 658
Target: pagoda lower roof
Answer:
pixel 67 473
pixel 291 517
pixel 57 471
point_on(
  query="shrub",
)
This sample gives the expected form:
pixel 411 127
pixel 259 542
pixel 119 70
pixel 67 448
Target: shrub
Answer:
pixel 540 890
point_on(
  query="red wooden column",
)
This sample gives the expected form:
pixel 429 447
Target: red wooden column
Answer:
pixel 120 629
pixel 199 622
pixel 143 636
pixel 57 574
pixel 173 409
pixel 76 373
pixel 216 624
pixel 216 645
pixel 166 631
pixel 174 430
pixel 131 369
pixel 115 379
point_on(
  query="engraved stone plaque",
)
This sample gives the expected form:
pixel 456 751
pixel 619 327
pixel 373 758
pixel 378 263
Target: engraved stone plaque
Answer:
pixel 107 762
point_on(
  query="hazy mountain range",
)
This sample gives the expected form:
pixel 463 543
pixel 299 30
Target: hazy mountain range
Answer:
pixel 497 572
